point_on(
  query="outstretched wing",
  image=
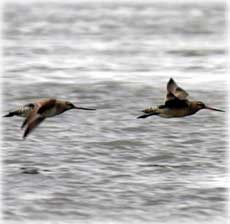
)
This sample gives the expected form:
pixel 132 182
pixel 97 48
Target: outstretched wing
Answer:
pixel 31 115
pixel 176 96
pixel 36 115
pixel 33 124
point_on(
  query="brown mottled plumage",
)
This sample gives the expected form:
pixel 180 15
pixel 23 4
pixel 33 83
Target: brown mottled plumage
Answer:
pixel 37 112
pixel 176 104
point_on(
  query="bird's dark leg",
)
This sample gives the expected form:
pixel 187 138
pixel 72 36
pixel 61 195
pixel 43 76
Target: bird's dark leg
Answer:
pixel 147 115
pixel 11 114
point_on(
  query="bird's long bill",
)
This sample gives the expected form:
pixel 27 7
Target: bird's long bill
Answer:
pixel 83 108
pixel 210 108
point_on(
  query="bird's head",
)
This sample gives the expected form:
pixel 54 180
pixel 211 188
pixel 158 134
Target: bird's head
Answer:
pixel 198 105
pixel 69 105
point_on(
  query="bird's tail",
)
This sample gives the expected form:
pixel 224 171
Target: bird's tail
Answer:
pixel 149 110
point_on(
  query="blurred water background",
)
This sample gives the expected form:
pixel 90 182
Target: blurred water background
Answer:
pixel 106 166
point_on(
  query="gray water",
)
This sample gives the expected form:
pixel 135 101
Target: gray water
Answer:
pixel 106 166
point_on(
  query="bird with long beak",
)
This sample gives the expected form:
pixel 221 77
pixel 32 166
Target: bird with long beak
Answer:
pixel 38 111
pixel 176 104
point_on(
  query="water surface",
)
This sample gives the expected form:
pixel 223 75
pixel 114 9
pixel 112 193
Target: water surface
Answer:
pixel 107 166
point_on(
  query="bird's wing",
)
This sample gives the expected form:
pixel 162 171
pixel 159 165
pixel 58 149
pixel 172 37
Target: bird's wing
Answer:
pixel 30 117
pixel 46 105
pixel 35 117
pixel 175 91
pixel 33 124
pixel 176 96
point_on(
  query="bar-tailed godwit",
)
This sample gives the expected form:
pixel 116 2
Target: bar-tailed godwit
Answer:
pixel 38 111
pixel 176 104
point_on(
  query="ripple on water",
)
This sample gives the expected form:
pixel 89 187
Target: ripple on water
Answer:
pixel 108 165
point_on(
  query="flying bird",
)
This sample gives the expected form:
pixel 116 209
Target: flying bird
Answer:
pixel 38 111
pixel 176 104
